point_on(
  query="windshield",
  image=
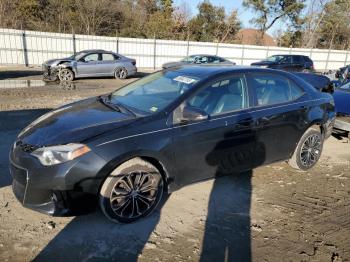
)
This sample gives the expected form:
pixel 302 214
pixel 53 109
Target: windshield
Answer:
pixel 274 58
pixel 154 92
pixel 78 55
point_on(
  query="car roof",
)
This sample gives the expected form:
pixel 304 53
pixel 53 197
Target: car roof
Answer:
pixel 203 55
pixel 289 55
pixel 202 71
pixel 95 51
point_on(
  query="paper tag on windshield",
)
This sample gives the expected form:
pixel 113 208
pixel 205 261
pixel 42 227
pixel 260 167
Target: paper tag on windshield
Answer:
pixel 184 79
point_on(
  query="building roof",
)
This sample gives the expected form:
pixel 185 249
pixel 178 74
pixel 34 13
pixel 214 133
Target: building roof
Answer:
pixel 250 36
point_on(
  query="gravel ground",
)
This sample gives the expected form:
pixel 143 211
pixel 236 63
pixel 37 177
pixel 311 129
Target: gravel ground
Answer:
pixel 273 213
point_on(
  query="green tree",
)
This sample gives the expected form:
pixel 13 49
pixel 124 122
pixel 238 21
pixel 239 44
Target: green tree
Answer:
pixel 268 12
pixel 212 24
pixel 334 28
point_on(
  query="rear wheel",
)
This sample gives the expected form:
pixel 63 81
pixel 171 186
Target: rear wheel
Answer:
pixel 132 191
pixel 65 74
pixel 308 150
pixel 121 73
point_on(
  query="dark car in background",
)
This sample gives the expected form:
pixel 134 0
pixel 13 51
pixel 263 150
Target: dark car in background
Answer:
pixel 200 60
pixel 126 149
pixel 342 103
pixel 299 63
pixel 89 63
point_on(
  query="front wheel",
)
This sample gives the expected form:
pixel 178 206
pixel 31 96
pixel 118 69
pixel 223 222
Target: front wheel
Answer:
pixel 308 150
pixel 133 190
pixel 65 74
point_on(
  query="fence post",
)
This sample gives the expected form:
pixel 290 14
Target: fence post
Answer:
pixel 25 50
pixel 242 57
pixel 267 51
pixel 117 41
pixel 74 44
pixel 217 48
pixel 154 52
pixel 188 47
pixel 326 67
pixel 346 57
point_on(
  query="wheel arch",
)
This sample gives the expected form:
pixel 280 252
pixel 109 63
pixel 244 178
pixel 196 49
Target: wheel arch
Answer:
pixel 150 157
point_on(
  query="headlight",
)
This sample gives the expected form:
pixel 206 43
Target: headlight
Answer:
pixel 53 155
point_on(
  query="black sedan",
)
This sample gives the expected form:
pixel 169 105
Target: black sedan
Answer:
pixel 124 150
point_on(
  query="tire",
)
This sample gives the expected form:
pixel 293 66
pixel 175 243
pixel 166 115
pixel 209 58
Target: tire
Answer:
pixel 308 150
pixel 132 191
pixel 65 74
pixel 121 73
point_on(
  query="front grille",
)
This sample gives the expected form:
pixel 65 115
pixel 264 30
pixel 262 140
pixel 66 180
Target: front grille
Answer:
pixel 20 181
pixel 26 147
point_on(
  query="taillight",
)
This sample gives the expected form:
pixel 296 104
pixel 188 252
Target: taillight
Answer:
pixel 134 62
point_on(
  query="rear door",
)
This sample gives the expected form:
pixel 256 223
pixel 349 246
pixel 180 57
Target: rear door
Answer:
pixel 298 63
pixel 279 113
pixel 225 142
pixel 107 64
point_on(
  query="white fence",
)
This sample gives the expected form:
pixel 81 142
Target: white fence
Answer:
pixel 32 48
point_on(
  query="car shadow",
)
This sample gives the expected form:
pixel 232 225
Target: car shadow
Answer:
pixel 227 234
pixel 92 237
pixel 11 74
pixel 11 123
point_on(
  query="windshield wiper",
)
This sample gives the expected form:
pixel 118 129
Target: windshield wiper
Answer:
pixel 103 100
pixel 106 100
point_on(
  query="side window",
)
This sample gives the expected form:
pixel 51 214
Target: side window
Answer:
pixel 91 58
pixel 223 96
pixel 286 60
pixel 274 89
pixel 216 59
pixel 298 60
pixel 108 57
pixel 203 59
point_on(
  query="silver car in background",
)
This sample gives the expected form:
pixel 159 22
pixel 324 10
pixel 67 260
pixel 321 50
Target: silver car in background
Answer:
pixel 89 63
pixel 200 60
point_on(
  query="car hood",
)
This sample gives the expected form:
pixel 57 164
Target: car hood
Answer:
pixel 172 64
pixel 262 63
pixel 55 61
pixel 341 100
pixel 74 123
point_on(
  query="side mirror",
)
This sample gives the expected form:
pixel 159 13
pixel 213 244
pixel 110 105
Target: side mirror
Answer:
pixel 191 114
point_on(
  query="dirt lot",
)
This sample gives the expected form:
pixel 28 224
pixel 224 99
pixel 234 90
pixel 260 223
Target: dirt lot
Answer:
pixel 273 213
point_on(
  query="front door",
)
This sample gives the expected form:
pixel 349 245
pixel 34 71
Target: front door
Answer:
pixel 88 65
pixel 223 143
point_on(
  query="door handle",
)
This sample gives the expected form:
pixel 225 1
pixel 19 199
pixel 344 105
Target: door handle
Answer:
pixel 244 123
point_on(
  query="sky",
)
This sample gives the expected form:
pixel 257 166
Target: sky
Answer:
pixel 244 14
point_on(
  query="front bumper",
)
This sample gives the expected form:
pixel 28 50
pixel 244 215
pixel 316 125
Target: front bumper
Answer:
pixel 65 189
pixel 49 72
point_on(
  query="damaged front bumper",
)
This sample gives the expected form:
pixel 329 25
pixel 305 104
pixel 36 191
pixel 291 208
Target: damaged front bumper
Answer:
pixel 50 72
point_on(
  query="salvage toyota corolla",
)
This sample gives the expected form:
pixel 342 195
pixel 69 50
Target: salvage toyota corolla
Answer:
pixel 125 150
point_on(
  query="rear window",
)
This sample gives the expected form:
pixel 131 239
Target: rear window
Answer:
pixel 274 89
